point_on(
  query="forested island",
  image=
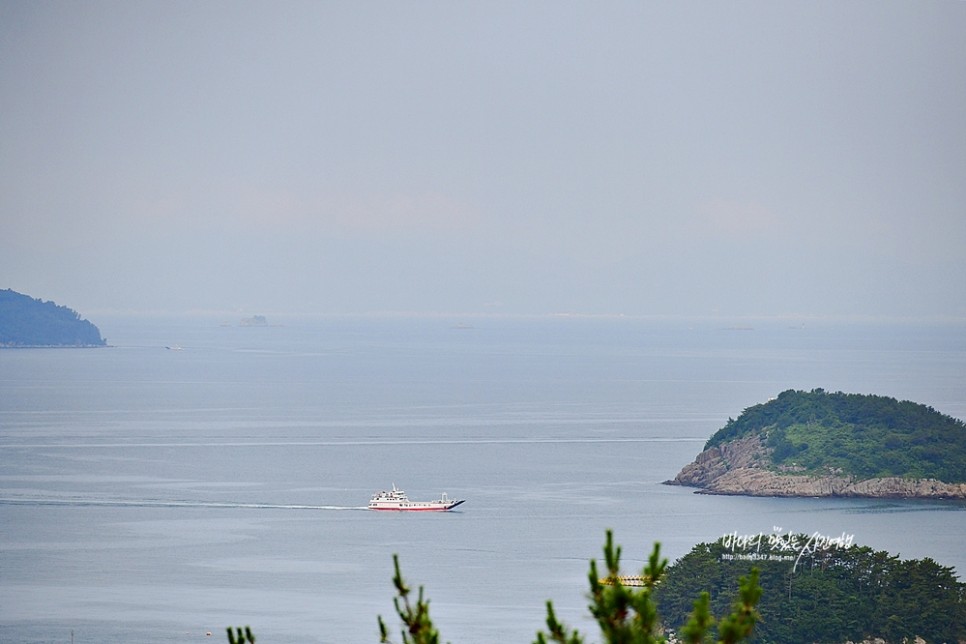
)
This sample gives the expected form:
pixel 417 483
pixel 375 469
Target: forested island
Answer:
pixel 819 588
pixel 30 322
pixel 816 443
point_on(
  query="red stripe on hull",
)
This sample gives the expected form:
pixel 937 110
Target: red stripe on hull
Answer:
pixel 412 509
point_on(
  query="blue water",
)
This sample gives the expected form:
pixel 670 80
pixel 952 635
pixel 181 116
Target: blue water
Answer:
pixel 153 495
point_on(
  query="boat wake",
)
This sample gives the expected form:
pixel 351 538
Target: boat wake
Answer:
pixel 152 503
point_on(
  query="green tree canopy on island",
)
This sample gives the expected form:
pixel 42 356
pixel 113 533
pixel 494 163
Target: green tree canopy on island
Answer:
pixel 863 435
pixel 29 322
pixel 816 592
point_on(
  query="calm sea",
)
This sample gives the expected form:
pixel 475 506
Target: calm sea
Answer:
pixel 153 495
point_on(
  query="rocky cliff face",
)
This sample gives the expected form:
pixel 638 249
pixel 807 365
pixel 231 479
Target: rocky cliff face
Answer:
pixel 740 467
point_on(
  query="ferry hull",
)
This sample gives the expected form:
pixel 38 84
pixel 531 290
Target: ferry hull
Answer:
pixel 432 508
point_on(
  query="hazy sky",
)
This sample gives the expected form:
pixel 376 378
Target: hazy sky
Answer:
pixel 644 158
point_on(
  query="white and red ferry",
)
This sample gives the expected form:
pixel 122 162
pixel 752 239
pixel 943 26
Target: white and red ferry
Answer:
pixel 397 500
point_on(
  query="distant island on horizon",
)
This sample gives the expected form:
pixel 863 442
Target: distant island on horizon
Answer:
pixel 816 443
pixel 27 322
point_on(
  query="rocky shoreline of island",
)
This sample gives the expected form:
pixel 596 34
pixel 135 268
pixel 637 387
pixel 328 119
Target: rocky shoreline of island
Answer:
pixel 743 467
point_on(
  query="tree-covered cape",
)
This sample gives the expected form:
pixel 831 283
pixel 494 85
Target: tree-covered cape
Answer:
pixel 854 434
pixel 29 322
pixel 817 589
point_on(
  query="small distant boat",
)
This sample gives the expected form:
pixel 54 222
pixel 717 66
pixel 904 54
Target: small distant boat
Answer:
pixel 397 500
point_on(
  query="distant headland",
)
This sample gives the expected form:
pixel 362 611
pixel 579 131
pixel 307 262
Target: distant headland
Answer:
pixel 817 443
pixel 30 322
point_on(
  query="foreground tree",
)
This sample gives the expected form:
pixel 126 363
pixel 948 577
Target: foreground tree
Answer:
pixel 816 589
pixel 419 628
pixel 240 636
pixel 625 614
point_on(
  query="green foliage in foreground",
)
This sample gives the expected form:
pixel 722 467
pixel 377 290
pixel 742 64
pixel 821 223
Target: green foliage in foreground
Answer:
pixel 626 615
pixel 240 636
pixel 419 628
pixel 793 589
pixel 863 435
pixel 821 592
pixel 27 322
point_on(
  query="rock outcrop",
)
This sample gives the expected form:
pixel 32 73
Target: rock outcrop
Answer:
pixel 743 466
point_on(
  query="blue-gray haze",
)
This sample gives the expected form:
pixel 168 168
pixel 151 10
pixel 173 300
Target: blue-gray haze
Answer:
pixel 750 158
